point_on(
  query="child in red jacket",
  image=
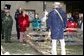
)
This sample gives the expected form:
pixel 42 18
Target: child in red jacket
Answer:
pixel 23 21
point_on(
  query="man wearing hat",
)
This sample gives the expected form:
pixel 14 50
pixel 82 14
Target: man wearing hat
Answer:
pixel 56 22
pixel 3 13
pixel 7 23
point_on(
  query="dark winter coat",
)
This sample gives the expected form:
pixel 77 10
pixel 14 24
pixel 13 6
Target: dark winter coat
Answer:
pixel 7 23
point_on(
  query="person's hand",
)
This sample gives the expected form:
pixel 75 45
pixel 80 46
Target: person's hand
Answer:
pixel 27 29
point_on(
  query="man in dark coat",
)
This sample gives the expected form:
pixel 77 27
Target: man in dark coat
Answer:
pixel 3 14
pixel 7 24
pixel 2 29
pixel 80 20
pixel 17 13
pixel 57 26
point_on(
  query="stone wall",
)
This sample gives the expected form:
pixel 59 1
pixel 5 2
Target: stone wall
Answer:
pixel 34 5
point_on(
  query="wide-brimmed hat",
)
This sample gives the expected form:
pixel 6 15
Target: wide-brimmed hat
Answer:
pixel 7 6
